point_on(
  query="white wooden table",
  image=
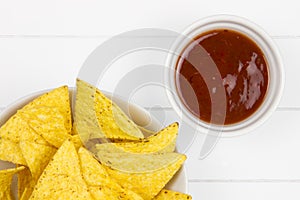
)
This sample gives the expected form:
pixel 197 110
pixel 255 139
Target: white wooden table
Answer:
pixel 43 45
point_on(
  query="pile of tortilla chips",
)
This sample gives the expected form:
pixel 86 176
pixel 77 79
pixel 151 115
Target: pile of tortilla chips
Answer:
pixel 103 156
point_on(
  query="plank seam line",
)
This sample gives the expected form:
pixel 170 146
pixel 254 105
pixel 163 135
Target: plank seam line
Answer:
pixel 244 180
pixel 170 108
pixel 13 36
pixel 70 36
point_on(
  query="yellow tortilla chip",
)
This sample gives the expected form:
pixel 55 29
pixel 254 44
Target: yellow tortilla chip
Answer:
pixel 12 132
pixel 76 141
pixel 113 193
pixel 74 131
pixel 37 156
pixel 147 185
pixel 48 122
pixel 17 129
pixel 113 121
pixel 169 194
pixel 8 195
pixel 109 155
pixel 6 179
pixel 98 193
pixel 62 178
pixel 100 184
pixel 58 98
pixel 97 117
pixel 93 172
pixel 61 187
pixel 85 120
pixel 11 152
pixel 161 142
pixel 25 184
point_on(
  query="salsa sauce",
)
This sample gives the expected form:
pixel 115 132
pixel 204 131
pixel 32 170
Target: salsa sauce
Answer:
pixel 242 75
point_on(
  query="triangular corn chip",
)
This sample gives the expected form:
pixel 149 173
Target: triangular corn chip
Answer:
pixel 7 195
pixel 163 141
pixel 25 184
pixel 48 122
pixel 37 156
pixel 93 172
pixel 138 163
pixel 60 187
pixel 85 120
pixel 11 152
pixel 62 177
pixel 76 141
pixel 100 184
pixel 113 121
pixel 5 181
pixel 169 194
pixel 147 185
pixel 58 98
pixel 17 129
pixel 113 193
pixel 97 117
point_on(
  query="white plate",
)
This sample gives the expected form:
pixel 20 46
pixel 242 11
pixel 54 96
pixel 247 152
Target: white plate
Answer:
pixel 137 114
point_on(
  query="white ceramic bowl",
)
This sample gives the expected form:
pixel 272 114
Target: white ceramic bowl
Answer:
pixel 275 66
pixel 137 114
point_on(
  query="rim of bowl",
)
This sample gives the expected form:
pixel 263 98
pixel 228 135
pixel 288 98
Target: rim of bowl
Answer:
pixel 275 70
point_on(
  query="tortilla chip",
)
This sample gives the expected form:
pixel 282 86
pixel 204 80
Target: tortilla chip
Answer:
pixel 62 177
pixel 98 193
pixel 100 184
pixel 11 129
pixel 76 141
pixel 74 131
pixel 133 162
pixel 8 195
pixel 93 172
pixel 147 185
pixel 93 109
pixel 37 156
pixel 85 121
pixel 5 181
pixel 25 184
pixel 169 194
pixel 11 152
pixel 12 132
pixel 48 122
pixel 113 121
pixel 161 142
pixel 17 129
pixel 113 193
pixel 58 98
pixel 61 187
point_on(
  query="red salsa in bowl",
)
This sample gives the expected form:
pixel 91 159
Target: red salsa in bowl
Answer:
pixel 225 75
pixel 243 75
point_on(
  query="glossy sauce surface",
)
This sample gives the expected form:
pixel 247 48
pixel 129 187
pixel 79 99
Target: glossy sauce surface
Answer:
pixel 222 67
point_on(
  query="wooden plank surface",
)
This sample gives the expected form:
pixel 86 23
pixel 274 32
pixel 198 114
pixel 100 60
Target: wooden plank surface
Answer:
pixel 31 64
pixel 90 17
pixel 245 190
pixel 43 45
